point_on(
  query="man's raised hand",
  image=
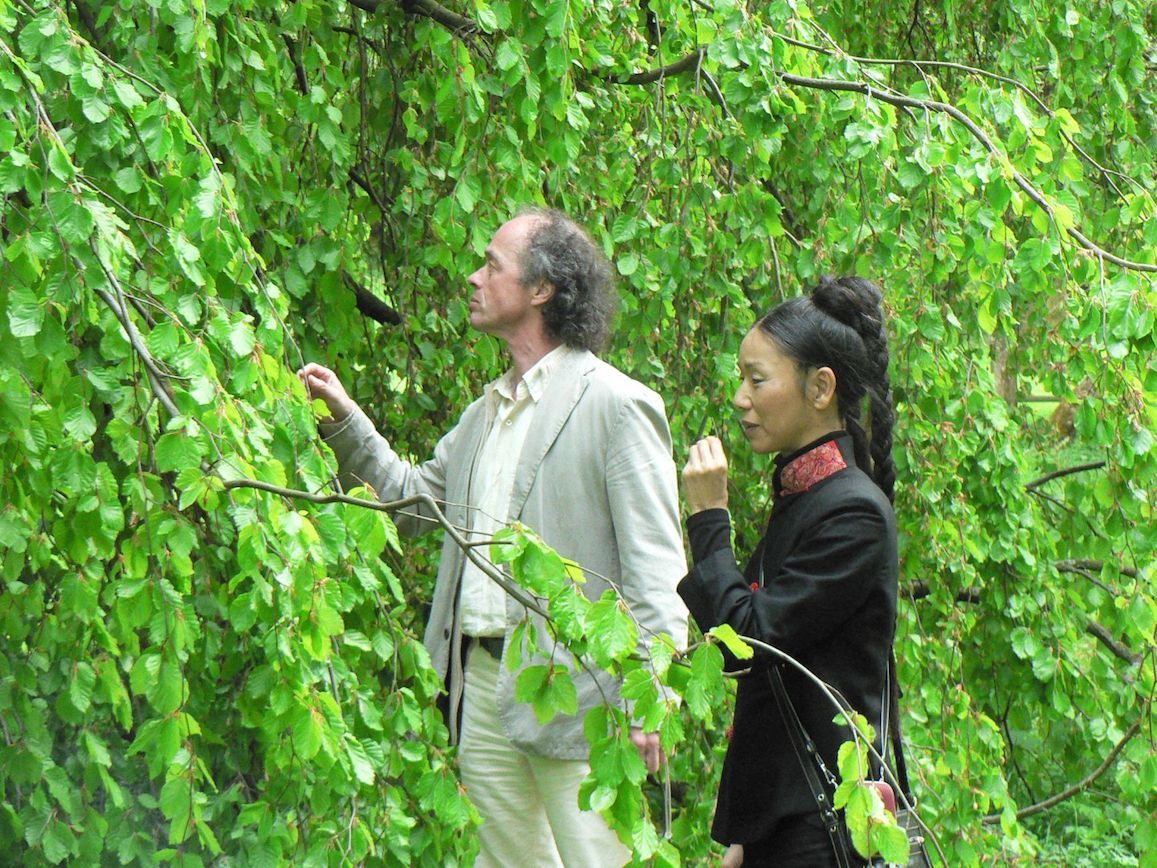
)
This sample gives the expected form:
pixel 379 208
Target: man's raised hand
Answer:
pixel 321 382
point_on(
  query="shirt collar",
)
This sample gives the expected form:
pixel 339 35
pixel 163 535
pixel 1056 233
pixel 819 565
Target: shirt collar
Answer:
pixel 535 380
pixel 796 472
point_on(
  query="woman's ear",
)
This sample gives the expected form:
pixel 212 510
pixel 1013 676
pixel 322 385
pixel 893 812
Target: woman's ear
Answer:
pixel 821 388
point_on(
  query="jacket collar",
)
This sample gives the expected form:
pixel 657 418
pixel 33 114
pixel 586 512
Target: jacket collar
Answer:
pixel 796 472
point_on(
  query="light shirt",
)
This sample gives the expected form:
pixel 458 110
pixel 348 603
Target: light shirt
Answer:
pixel 510 409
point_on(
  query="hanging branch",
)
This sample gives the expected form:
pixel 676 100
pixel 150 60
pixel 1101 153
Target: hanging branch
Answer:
pixel 422 500
pixel 1084 567
pixel 155 377
pixel 457 24
pixel 936 106
pixel 1118 649
pixel 1040 807
pixel 691 61
pixel 298 68
pixel 1064 471
pixel 1106 173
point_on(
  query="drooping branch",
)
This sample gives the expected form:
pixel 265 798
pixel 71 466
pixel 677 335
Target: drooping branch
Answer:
pixel 1086 566
pixel 1080 786
pixel 1064 471
pixel 920 65
pixel 422 500
pixel 692 61
pixel 155 377
pixel 368 189
pixel 298 69
pixel 920 590
pixel 457 24
pixel 1107 639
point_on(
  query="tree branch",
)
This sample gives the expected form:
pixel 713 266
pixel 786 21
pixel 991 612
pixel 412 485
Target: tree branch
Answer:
pixel 155 376
pixel 1065 471
pixel 452 21
pixel 919 65
pixel 1040 807
pixel 391 506
pixel 368 189
pixel 298 69
pixel 692 61
pixel 1080 566
pixel 920 590
pixel 1118 649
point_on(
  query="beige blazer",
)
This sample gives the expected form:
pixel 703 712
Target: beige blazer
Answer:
pixel 596 479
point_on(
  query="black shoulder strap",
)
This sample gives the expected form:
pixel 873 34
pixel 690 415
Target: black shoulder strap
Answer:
pixel 894 727
pixel 810 762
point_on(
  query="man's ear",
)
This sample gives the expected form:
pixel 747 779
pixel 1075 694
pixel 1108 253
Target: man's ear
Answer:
pixel 542 293
pixel 821 387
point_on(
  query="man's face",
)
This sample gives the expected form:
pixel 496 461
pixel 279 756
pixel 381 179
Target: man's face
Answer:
pixel 501 305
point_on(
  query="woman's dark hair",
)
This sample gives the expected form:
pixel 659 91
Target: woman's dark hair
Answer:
pixel 561 253
pixel 840 325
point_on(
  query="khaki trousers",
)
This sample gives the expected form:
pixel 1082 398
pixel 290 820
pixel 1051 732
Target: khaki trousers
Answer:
pixel 529 804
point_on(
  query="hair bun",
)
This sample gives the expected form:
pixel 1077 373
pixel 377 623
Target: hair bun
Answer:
pixel 851 300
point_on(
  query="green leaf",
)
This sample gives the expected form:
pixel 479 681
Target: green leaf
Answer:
pixel 726 634
pixel 78 419
pixel 610 629
pixel 548 689
pixel 177 799
pixel 72 217
pixel 308 731
pixel 96 748
pixel 539 569
pixel 169 691
pixel 241 338
pixel 508 54
pixel 890 842
pixel 176 451
pixel 81 685
pixel 25 313
pixel 362 765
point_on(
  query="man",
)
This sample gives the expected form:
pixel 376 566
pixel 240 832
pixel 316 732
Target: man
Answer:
pixel 578 451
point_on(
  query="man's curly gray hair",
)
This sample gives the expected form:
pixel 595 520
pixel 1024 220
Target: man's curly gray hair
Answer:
pixel 561 253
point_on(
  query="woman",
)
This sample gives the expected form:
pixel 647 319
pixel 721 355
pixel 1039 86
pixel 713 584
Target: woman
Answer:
pixel 821 585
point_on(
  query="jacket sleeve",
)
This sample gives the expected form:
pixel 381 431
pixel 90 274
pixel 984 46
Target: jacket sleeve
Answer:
pixel 821 583
pixel 643 496
pixel 365 457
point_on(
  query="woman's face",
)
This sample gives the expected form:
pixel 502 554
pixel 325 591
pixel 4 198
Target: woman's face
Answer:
pixel 782 406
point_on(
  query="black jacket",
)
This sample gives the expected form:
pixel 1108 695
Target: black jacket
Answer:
pixel 828 598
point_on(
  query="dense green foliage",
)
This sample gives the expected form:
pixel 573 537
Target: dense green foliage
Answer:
pixel 199 196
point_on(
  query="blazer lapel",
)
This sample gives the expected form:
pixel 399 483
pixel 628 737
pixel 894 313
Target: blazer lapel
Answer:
pixel 567 384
